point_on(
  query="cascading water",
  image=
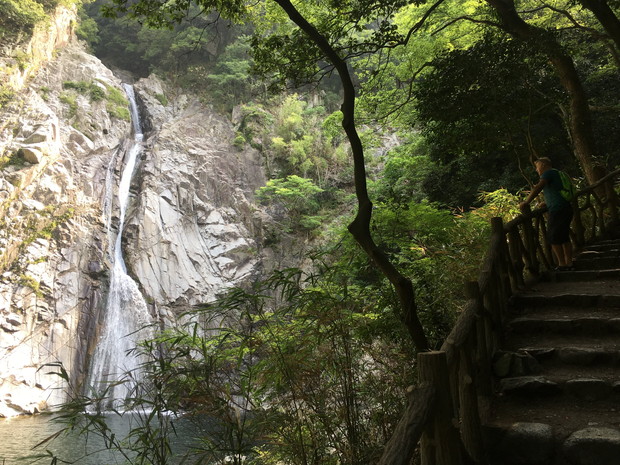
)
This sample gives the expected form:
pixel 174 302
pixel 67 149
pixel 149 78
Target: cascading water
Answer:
pixel 114 368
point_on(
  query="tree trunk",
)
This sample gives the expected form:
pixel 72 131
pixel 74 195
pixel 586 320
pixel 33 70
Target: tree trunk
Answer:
pixel 606 17
pixel 360 227
pixel 580 123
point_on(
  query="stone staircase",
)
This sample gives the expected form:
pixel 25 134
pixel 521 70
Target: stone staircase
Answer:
pixel 557 396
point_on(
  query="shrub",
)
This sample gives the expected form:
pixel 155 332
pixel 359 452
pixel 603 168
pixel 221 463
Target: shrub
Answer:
pixel 16 15
pixel 161 98
pixel 6 95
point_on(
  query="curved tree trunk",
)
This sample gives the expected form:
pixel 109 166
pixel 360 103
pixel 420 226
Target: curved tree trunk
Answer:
pixel 360 227
pixel 606 17
pixel 580 123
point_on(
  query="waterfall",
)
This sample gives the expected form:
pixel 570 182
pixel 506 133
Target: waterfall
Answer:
pixel 114 369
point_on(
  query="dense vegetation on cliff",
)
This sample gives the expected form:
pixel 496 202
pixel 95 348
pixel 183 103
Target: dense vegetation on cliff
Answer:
pixel 452 102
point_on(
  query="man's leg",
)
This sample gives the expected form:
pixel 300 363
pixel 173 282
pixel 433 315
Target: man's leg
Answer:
pixel 563 253
pixel 558 251
pixel 568 253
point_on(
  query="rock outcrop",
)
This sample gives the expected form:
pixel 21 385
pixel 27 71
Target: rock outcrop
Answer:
pixel 194 226
pixel 55 145
pixel 190 232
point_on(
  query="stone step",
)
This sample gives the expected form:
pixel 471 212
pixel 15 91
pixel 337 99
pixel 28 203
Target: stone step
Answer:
pixel 584 275
pixel 558 375
pixel 567 323
pixel 566 299
pixel 605 262
pixel 603 246
pixel 567 350
pixel 556 364
pixel 582 388
pixel 598 253
pixel 562 430
pixel 549 311
pixel 530 443
pixel 556 430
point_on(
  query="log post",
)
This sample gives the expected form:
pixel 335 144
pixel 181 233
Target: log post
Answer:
pixel 401 447
pixel 441 444
pixel 485 381
pixel 530 242
pixel 516 259
pixel 578 228
pixel 502 258
pixel 469 413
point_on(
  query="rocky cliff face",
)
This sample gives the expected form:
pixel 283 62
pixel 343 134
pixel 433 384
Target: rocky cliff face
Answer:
pixel 55 144
pixel 190 232
pixel 195 223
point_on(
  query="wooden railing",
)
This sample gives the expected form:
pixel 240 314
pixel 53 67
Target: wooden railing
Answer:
pixel 443 414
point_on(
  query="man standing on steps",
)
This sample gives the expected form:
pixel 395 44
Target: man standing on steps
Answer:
pixel 560 212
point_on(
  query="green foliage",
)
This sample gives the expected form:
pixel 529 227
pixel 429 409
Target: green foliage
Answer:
pixel 182 52
pixel 116 96
pixel 32 283
pixel 298 138
pixel 311 367
pixel 88 29
pixel 405 169
pixel 17 15
pixel 45 92
pixel 230 82
pixel 23 59
pixel 117 104
pixel 70 100
pixel 12 159
pixel 304 376
pixel 297 196
pixel 146 442
pixel 94 90
pixel 118 112
pixel 479 107
pixel 161 98
pixel 6 95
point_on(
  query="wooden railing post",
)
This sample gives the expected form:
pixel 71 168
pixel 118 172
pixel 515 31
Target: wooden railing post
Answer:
pixel 502 262
pixel 578 229
pixel 530 242
pixel 483 336
pixel 440 444
pixel 469 411
pixel 516 258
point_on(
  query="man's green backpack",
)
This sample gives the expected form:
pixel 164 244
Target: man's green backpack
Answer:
pixel 568 190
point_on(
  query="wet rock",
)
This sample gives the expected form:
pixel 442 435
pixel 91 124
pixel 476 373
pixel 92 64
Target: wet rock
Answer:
pixel 529 385
pixel 525 444
pixel 578 356
pixel 589 388
pixel 593 446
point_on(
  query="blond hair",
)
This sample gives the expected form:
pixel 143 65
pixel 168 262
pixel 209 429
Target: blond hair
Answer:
pixel 544 160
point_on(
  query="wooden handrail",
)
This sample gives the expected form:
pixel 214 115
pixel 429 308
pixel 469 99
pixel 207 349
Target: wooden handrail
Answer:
pixel 517 253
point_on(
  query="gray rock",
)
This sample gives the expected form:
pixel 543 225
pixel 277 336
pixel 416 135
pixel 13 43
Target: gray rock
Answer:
pixel 526 444
pixel 578 356
pixel 593 446
pixel 190 231
pixel 540 353
pixel 529 385
pixel 589 388
pixel 501 366
pixel 32 154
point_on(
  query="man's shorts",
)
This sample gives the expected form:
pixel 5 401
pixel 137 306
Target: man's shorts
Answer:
pixel 558 227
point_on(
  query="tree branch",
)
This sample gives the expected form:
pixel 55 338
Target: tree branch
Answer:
pixel 360 227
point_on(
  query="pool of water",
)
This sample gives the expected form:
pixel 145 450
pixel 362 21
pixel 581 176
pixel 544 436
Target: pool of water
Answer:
pixel 19 438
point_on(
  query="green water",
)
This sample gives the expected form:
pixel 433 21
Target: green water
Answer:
pixel 20 435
